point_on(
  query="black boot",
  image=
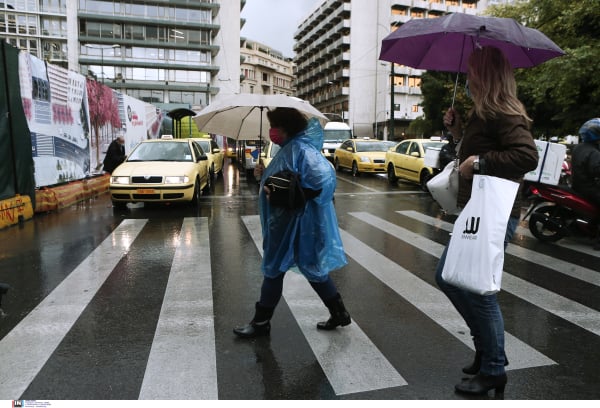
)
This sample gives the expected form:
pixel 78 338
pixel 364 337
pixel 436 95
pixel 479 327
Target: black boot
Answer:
pixel 481 384
pixel 260 324
pixel 339 314
pixel 476 364
pixel 3 289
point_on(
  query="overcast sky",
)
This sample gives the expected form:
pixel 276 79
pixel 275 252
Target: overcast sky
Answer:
pixel 274 22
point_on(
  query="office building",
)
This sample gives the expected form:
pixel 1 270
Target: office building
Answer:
pixel 168 53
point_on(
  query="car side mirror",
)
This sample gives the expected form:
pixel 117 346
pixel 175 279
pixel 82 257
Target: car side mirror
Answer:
pixel 202 157
pixel 216 150
pixel 415 154
pixel 349 149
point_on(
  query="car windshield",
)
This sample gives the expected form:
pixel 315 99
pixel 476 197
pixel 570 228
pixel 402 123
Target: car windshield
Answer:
pixel 432 144
pixel 335 135
pixel 161 151
pixel 205 145
pixel 372 146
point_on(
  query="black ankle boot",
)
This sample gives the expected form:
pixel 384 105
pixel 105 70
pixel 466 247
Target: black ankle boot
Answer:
pixel 476 364
pixel 481 384
pixel 339 314
pixel 260 324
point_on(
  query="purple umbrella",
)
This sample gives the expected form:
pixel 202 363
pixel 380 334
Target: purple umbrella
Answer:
pixel 445 43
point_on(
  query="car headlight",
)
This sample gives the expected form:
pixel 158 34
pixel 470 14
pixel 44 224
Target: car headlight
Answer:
pixel 176 179
pixel 119 180
pixel 365 159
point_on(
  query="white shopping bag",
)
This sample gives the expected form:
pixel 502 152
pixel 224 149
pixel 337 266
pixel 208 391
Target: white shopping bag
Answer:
pixel 475 255
pixel 444 188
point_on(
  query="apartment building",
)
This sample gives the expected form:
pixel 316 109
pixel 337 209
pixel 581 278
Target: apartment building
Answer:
pixel 338 68
pixel 165 52
pixel 265 70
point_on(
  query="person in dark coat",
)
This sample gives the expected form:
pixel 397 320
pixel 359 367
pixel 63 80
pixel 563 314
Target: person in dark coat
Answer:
pixel 448 151
pixel 496 141
pixel 586 165
pixel 115 154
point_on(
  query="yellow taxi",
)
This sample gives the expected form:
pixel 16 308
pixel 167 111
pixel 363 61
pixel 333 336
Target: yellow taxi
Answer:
pixel 361 155
pixel 407 161
pixel 216 157
pixel 161 170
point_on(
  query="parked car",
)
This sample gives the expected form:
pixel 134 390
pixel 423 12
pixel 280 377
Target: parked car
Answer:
pixel 161 170
pixel 216 157
pixel 407 161
pixel 361 155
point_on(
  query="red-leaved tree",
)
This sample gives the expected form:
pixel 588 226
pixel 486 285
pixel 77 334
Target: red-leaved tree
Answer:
pixel 104 109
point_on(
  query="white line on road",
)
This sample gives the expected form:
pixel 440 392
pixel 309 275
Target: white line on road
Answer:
pixel 183 362
pixel 30 344
pixel 569 310
pixel 351 362
pixel 558 265
pixel 432 301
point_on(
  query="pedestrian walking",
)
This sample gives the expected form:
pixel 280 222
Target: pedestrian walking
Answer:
pixel 307 239
pixel 496 141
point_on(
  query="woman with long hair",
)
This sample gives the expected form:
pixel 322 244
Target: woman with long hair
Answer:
pixel 496 141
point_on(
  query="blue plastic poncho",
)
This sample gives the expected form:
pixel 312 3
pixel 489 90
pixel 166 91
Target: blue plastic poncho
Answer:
pixel 308 239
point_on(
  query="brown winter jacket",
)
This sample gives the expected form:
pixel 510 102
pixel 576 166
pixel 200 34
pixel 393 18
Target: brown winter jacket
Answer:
pixel 505 147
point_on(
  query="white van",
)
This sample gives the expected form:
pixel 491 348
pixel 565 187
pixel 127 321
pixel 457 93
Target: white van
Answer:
pixel 334 134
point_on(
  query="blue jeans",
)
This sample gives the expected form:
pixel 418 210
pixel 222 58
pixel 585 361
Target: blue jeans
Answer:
pixel 482 314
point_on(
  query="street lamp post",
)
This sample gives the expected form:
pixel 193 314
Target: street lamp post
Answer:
pixel 101 48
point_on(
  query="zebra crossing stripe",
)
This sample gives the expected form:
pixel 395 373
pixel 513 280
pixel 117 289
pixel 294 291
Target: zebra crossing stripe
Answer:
pixel 433 302
pixel 558 265
pixel 576 313
pixel 183 363
pixel 351 362
pixel 30 344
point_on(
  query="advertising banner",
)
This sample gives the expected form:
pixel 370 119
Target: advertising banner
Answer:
pixel 54 102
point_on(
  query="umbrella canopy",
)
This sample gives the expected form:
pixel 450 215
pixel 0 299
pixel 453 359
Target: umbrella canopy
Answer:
pixel 243 116
pixel 445 43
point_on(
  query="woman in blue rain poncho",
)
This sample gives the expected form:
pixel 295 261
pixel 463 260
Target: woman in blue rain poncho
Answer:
pixel 307 239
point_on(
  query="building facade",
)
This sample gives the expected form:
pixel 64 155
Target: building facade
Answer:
pixel 338 68
pixel 265 70
pixel 165 52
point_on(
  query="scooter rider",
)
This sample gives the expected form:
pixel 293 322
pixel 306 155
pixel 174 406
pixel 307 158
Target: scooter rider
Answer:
pixel 585 162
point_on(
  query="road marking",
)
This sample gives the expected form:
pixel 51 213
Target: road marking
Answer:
pixel 183 361
pixel 30 344
pixel 433 302
pixel 558 265
pixel 351 362
pixel 567 309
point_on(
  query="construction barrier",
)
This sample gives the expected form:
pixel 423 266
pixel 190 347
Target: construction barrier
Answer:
pixel 58 197
pixel 14 210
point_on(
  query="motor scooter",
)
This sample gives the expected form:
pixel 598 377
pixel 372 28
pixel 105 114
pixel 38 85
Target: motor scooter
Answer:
pixel 557 211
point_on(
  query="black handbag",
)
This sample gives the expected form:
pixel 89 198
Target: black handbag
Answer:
pixel 285 190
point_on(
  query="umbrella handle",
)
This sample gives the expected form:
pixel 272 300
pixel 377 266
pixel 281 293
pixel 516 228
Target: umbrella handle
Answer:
pixel 455 86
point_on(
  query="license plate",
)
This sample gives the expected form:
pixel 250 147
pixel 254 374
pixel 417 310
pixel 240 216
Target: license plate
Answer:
pixel 145 191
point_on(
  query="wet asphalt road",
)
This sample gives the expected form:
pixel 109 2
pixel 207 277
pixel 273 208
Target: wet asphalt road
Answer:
pixel 140 304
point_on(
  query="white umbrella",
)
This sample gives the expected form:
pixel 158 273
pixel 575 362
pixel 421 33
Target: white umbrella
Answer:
pixel 243 116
